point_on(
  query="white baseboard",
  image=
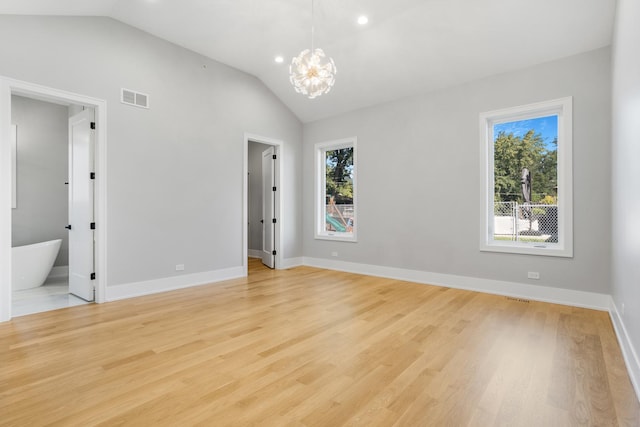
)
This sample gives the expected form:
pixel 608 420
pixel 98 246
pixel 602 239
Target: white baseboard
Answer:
pixel 148 287
pixel 628 351
pixel 59 271
pixel 255 253
pixel 291 263
pixel 517 290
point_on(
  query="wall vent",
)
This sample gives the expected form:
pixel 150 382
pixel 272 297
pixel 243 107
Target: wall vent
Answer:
pixel 518 299
pixel 137 99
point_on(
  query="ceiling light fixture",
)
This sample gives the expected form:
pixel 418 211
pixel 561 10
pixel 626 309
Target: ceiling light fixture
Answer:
pixel 312 73
pixel 363 20
pixel 279 59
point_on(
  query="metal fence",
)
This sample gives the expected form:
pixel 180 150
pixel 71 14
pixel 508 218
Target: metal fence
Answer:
pixel 525 222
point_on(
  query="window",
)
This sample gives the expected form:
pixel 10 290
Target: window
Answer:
pixel 526 179
pixel 336 190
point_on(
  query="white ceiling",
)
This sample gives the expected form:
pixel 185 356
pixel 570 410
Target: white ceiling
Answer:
pixel 408 47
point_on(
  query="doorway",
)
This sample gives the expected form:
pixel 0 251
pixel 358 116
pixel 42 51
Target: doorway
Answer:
pixel 8 89
pixel 51 159
pixel 263 223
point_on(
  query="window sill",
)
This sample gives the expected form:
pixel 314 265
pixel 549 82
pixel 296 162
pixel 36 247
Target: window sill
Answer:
pixel 337 237
pixel 533 249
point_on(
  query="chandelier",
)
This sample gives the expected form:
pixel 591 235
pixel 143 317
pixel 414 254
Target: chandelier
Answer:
pixel 312 73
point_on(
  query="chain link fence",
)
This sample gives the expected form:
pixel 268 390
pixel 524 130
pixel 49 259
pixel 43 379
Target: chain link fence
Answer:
pixel 525 222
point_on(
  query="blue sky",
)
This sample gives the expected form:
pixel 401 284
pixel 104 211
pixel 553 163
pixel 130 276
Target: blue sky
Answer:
pixel 545 126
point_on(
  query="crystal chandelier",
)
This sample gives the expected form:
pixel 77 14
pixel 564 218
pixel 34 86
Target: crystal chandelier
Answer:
pixel 312 73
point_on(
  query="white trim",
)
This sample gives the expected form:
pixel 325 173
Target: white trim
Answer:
pixel 9 87
pixel 320 187
pixel 14 166
pixel 292 262
pixel 150 287
pixel 570 297
pixel 59 271
pixel 629 353
pixel 5 200
pixel 255 253
pixel 279 207
pixel 563 108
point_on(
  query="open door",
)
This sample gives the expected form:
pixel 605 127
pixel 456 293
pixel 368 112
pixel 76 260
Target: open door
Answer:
pixel 81 205
pixel 268 207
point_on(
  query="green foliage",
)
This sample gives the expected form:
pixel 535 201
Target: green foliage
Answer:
pixel 549 200
pixel 538 212
pixel 339 175
pixel 512 154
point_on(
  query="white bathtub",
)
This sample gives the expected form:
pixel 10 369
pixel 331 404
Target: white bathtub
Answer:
pixel 31 264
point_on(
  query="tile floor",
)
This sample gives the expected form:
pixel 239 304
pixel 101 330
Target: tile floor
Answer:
pixel 52 295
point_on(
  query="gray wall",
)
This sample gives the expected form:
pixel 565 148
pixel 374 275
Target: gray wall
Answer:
pixel 418 177
pixel 626 172
pixel 175 171
pixel 42 170
pixel 255 194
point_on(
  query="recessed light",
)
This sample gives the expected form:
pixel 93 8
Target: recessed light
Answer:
pixel 363 20
pixel 279 59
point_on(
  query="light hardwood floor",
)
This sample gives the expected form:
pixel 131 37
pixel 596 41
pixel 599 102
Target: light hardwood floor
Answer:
pixel 311 347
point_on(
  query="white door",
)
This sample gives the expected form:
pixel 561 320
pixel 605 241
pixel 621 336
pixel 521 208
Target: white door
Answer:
pixel 268 207
pixel 81 204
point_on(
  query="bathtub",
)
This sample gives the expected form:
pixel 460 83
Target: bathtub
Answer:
pixel 31 264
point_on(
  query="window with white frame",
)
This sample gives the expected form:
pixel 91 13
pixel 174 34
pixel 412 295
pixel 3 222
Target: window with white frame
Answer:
pixel 526 178
pixel 336 190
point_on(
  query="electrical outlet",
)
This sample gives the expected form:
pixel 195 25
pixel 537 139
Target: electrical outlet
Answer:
pixel 533 275
pixel 179 267
pixel 334 253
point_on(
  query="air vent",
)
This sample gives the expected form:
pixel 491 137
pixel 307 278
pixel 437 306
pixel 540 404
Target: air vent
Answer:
pixel 137 99
pixel 518 300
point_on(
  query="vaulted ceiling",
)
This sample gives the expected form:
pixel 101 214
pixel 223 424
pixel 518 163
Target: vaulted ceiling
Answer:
pixel 408 46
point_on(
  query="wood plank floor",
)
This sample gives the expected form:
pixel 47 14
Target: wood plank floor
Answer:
pixel 311 347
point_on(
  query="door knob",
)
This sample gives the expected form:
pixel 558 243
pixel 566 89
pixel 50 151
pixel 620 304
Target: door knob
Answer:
pixel 68 227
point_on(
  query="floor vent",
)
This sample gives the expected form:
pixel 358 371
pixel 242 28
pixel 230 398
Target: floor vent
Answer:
pixel 519 300
pixel 137 99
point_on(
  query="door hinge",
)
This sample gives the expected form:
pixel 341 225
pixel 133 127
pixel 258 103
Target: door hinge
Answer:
pixel 92 226
pixel 273 220
pixel 93 125
pixel 92 175
pixel 274 157
pixel 273 253
pixel 93 276
pixel 274 188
